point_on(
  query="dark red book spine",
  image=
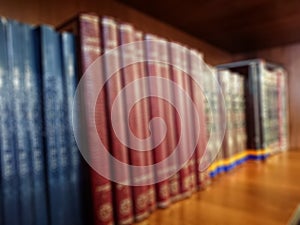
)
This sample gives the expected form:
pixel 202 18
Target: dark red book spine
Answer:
pixel 90 50
pixel 177 75
pixel 170 117
pixel 196 70
pixel 169 186
pixel 190 124
pixel 141 70
pixel 122 192
pixel 137 118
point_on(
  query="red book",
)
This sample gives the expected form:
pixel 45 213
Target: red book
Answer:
pixel 177 75
pixel 190 123
pixel 137 117
pixel 86 27
pixel 196 70
pixel 140 54
pixel 122 192
pixel 168 188
pixel 172 193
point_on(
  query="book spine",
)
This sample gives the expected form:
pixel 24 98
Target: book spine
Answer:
pixel 252 107
pixel 122 193
pixel 234 114
pixel 282 107
pixel 145 107
pixel 69 86
pixel 33 88
pixel 189 123
pixel 158 50
pixel 241 114
pixel 243 111
pixel 9 172
pixel 274 111
pixel 139 116
pixel 210 109
pixel 196 69
pixel 90 50
pixel 178 77
pixel 21 138
pixel 49 86
pixel 61 129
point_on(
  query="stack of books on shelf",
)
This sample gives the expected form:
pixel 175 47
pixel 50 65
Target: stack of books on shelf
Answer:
pixel 159 106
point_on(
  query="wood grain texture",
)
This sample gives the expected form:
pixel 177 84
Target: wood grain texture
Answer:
pixel 235 25
pixel 255 193
pixel 54 12
pixel 289 57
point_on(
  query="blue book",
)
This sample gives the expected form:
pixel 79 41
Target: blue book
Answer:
pixel 9 172
pixel 15 40
pixel 62 140
pixel 54 125
pixel 70 83
pixel 33 90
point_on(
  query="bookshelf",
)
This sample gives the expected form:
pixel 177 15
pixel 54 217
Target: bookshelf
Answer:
pixel 55 12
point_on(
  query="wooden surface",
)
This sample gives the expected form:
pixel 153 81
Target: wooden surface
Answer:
pixel 289 57
pixel 252 194
pixel 235 25
pixel 55 12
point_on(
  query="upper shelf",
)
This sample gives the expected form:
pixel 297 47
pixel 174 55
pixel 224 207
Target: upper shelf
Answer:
pixel 236 26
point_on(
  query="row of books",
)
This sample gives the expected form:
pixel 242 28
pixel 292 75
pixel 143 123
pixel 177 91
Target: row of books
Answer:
pixel 233 150
pixel 147 190
pixel 266 103
pixel 45 179
pixel 256 113
pixel 41 180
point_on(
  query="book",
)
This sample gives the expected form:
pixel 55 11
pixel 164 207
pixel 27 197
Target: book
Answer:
pixel 64 165
pixel 21 145
pixel 176 54
pixel 139 115
pixel 122 191
pixel 189 123
pixel 160 89
pixel 33 90
pixel 86 27
pixel 157 49
pixel 210 89
pixel 268 106
pixel 145 105
pixel 50 60
pixel 197 94
pixel 282 109
pixel 9 172
pixel 228 82
pixel 74 180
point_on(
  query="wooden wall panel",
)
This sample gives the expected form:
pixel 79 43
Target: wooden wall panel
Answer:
pixel 54 12
pixel 289 57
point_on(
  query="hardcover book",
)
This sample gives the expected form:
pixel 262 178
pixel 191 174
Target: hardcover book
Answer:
pixel 9 172
pixel 33 90
pixel 21 145
pixel 113 87
pixel 86 27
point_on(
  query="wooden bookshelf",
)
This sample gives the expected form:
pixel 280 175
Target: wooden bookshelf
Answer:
pixel 253 194
pixel 54 12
